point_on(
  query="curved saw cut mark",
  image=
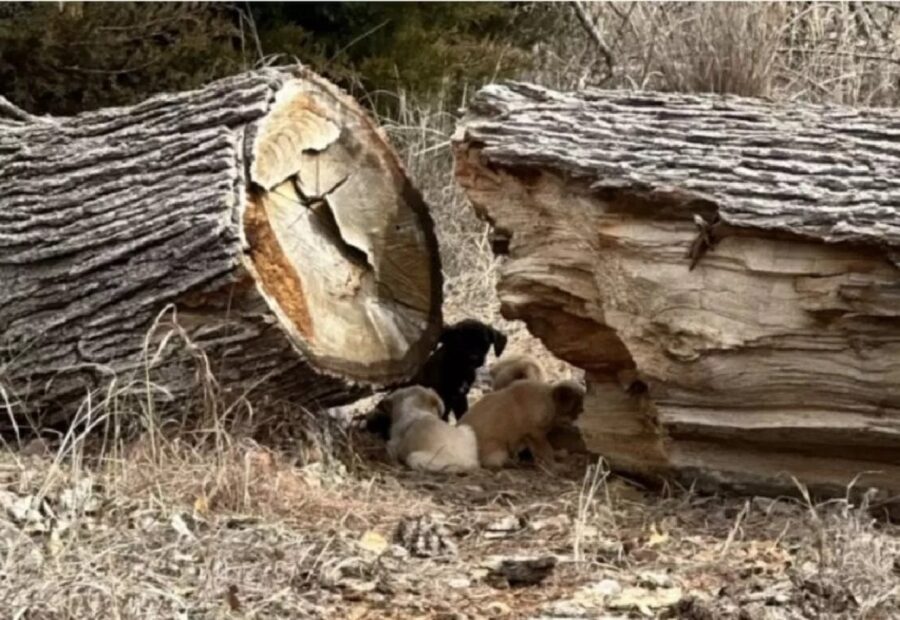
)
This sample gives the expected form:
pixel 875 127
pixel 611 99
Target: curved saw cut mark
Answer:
pixel 297 123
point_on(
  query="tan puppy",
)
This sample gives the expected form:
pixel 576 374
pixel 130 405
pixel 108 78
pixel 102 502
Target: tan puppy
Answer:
pixel 520 415
pixel 515 368
pixel 421 439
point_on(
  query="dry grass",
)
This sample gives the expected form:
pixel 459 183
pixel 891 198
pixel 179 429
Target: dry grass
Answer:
pixel 813 51
pixel 255 533
pixel 297 517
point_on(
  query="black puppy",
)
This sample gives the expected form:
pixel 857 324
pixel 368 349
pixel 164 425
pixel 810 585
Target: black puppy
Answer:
pixel 450 370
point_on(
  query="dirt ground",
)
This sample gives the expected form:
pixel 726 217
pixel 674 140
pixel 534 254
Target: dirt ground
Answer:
pixel 239 530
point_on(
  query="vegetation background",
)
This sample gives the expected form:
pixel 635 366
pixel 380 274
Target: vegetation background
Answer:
pixel 285 519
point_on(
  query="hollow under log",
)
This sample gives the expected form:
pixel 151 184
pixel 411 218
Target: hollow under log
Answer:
pixel 724 269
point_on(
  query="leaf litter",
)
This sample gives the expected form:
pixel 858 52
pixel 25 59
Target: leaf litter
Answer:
pixel 254 534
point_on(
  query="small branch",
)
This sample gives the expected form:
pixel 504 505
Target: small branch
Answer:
pixel 125 71
pixel 248 17
pixel 592 31
pixel 13 112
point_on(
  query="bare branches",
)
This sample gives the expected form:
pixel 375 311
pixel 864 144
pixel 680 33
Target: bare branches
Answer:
pixel 595 36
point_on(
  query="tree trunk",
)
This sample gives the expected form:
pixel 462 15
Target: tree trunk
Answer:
pixel 725 271
pixel 266 208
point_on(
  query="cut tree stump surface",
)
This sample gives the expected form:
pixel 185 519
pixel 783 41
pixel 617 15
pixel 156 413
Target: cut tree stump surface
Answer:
pixel 724 269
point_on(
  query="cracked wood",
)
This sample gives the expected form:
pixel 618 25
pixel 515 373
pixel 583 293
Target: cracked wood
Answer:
pixel 764 346
pixel 112 219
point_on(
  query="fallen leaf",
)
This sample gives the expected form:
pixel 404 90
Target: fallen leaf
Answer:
pixel 201 506
pixel 22 509
pixel 373 542
pixel 54 543
pixel 357 612
pixel 231 596
pixel 656 537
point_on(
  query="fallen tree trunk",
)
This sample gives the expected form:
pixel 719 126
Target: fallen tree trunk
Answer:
pixel 724 270
pixel 267 208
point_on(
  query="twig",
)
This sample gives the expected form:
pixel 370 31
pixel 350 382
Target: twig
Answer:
pixel 734 530
pixel 595 36
pixel 248 17
pixel 353 42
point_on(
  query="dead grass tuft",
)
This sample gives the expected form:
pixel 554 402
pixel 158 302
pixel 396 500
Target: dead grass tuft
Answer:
pixel 820 51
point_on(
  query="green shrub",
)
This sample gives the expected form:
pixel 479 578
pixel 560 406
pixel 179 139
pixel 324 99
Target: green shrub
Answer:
pixel 62 58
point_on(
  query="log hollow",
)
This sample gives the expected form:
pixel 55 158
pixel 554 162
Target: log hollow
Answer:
pixel 725 270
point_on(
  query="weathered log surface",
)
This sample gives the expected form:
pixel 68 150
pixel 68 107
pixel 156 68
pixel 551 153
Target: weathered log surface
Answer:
pixel 267 208
pixel 778 353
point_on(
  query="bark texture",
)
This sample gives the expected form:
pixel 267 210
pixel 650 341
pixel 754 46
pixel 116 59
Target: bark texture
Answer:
pixel 264 217
pixel 725 270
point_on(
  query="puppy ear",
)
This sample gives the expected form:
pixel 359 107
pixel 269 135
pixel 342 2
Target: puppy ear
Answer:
pixel 568 399
pixel 447 335
pixel 378 421
pixel 385 408
pixel 499 339
pixel 436 402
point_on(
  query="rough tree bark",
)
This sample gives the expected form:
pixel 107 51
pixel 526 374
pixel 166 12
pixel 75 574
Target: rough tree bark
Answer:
pixel 725 270
pixel 266 208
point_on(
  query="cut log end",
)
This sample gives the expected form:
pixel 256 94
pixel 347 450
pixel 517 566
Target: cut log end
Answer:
pixel 264 218
pixel 336 237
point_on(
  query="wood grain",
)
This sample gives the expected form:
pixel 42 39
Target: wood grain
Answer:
pixel 768 348
pixel 110 219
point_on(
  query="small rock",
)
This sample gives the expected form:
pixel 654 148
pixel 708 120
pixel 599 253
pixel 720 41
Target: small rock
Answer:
pixel 645 600
pixel 458 583
pixel 496 608
pixel 587 601
pixel 504 527
pixel 397 552
pixel 27 511
pixel 180 526
pixel 518 573
pixel 604 588
pixel 80 499
pixel 557 522
pixel 650 579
